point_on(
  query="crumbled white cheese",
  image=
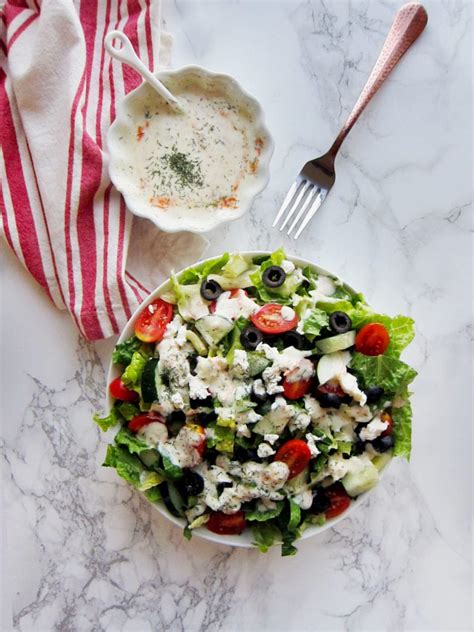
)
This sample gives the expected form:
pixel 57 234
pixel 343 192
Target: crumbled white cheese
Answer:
pixel 153 433
pixel 259 388
pixel 300 421
pixel 357 413
pixel 282 363
pixel 253 417
pixel 313 407
pixel 240 363
pixel 197 388
pixel 271 438
pixel 288 266
pixel 177 400
pixel 214 374
pixel 264 450
pixel 303 372
pixel 373 429
pixel 304 499
pixel 337 466
pixel 287 313
pixel 243 431
pixel 348 383
pixel 313 448
pixel 235 306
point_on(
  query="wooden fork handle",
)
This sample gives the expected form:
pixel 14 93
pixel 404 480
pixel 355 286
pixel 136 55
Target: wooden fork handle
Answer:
pixel 408 25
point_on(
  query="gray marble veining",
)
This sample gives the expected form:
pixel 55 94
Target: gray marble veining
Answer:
pixel 81 550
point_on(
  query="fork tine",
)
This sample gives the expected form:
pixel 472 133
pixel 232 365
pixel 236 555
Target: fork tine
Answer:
pixel 286 201
pixel 294 207
pixel 308 200
pixel 314 207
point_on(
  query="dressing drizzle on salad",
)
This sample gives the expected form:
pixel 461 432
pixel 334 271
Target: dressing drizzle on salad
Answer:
pixel 259 395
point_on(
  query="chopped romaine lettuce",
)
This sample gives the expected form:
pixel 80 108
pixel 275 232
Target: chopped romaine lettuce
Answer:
pixel 130 468
pixel 134 444
pixel 295 516
pixel 128 410
pixel 314 322
pixel 123 352
pixel 402 429
pixel 133 373
pixel 173 472
pixel 191 305
pixel 235 266
pixel 110 420
pixel 153 494
pixel 391 374
pixel 263 516
pixel 265 535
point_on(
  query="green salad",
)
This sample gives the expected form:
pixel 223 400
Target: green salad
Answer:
pixel 256 395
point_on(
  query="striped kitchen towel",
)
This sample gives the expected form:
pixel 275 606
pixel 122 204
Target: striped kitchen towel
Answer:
pixel 61 215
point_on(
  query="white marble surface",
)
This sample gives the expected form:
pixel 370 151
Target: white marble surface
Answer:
pixel 80 550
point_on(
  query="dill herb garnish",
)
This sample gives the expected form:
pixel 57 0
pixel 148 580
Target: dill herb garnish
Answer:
pixel 187 172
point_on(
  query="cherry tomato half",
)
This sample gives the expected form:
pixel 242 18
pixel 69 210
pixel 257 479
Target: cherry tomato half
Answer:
pixel 296 454
pixel 196 436
pixel 372 339
pixel 331 387
pixel 387 417
pixel 339 499
pixel 139 421
pixel 233 294
pixel 227 524
pixel 295 390
pixel 269 319
pixel 118 390
pixel 151 323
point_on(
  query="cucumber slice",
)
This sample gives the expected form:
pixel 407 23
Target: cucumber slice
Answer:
pixel 195 340
pixel 257 363
pixel 213 328
pixel 150 458
pixel 148 386
pixel 336 343
pixel 331 365
pixel 356 483
pixel 382 460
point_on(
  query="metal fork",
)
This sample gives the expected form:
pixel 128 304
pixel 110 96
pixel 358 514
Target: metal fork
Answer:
pixel 317 177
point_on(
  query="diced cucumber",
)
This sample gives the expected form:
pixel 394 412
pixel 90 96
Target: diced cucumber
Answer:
pixel 274 422
pixel 382 460
pixel 148 383
pixel 331 365
pixel 150 458
pixel 257 363
pixel 195 340
pixel 213 328
pixel 356 483
pixel 336 343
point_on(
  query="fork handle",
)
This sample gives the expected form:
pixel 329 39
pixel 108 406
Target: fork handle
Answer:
pixel 408 25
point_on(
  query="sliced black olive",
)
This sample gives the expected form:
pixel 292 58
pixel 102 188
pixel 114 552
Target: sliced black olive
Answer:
pixel 193 360
pixel 191 483
pixel 328 400
pixel 165 495
pixel 321 502
pixel 245 454
pixel 340 322
pixel 205 402
pixel 251 291
pixel 206 418
pixel 294 339
pixel 274 276
pixel 374 393
pixel 358 447
pixel 210 290
pixel 175 422
pixel 221 486
pixel 382 444
pixel 250 338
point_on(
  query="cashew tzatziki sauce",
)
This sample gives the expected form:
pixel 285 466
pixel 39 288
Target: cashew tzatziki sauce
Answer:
pixel 194 162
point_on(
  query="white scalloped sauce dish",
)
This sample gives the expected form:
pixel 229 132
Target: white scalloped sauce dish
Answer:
pixel 192 169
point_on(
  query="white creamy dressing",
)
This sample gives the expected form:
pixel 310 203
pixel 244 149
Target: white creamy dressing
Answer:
pixel 194 162
pixel 232 307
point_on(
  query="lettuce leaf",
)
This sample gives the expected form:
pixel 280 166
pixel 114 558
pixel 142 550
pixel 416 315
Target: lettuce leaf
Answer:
pixel 402 418
pixel 130 440
pixel 128 410
pixel 173 472
pixel 287 547
pixel 265 534
pixel 235 266
pixel 153 494
pixel 133 373
pixel 400 328
pixel 263 516
pixel 109 421
pixel 123 352
pixel 295 516
pixel 130 468
pixel 316 320
pixel 391 374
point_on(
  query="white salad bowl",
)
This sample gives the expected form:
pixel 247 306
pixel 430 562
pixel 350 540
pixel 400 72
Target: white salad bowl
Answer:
pixel 244 540
pixel 126 178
